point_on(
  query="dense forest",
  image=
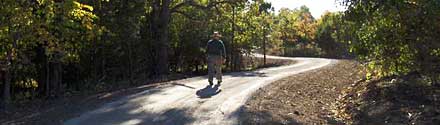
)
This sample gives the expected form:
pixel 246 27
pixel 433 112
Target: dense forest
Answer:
pixel 50 48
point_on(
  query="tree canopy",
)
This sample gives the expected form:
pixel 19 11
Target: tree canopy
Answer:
pixel 395 37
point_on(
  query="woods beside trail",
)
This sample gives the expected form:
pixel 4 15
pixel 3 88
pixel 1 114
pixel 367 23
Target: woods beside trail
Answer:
pixel 52 49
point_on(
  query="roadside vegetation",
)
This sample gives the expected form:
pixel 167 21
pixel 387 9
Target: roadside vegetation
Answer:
pixel 396 43
pixel 399 44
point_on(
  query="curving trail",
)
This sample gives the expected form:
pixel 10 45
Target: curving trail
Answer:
pixel 192 101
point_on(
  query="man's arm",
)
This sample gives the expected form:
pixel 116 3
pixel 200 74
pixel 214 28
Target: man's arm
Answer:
pixel 207 47
pixel 224 50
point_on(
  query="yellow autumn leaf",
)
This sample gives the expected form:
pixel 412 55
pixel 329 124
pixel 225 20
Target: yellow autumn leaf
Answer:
pixel 90 8
pixel 77 4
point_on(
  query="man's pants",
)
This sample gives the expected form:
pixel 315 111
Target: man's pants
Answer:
pixel 215 67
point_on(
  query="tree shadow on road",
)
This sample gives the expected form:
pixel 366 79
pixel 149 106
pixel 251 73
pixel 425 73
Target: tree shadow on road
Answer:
pixel 243 74
pixel 208 91
pixel 171 117
pixel 248 74
pixel 130 113
pixel 183 85
pixel 174 116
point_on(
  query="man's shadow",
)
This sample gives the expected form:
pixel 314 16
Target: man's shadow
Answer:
pixel 208 91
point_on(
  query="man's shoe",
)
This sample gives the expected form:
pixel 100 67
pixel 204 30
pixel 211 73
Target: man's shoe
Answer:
pixel 210 83
pixel 219 83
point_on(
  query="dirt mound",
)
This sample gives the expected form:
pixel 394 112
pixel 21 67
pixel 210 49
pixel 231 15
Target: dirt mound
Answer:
pixel 302 98
pixel 390 101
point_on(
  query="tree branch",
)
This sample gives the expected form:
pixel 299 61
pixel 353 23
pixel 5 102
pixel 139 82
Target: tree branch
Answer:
pixel 185 15
pixel 194 4
pixel 185 3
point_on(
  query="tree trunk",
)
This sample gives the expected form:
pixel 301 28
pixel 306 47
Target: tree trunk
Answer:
pixel 232 49
pixel 2 81
pixel 7 75
pixel 7 83
pixel 41 64
pixel 56 76
pixel 47 79
pixel 161 17
pixel 130 62
pixel 264 47
pixel 128 34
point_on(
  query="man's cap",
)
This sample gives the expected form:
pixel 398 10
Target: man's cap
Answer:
pixel 216 34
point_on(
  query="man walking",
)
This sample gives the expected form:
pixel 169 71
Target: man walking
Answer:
pixel 216 52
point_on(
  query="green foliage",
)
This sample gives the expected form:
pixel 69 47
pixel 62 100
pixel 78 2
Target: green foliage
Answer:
pixel 57 46
pixel 59 29
pixel 294 31
pixel 327 35
pixel 395 37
